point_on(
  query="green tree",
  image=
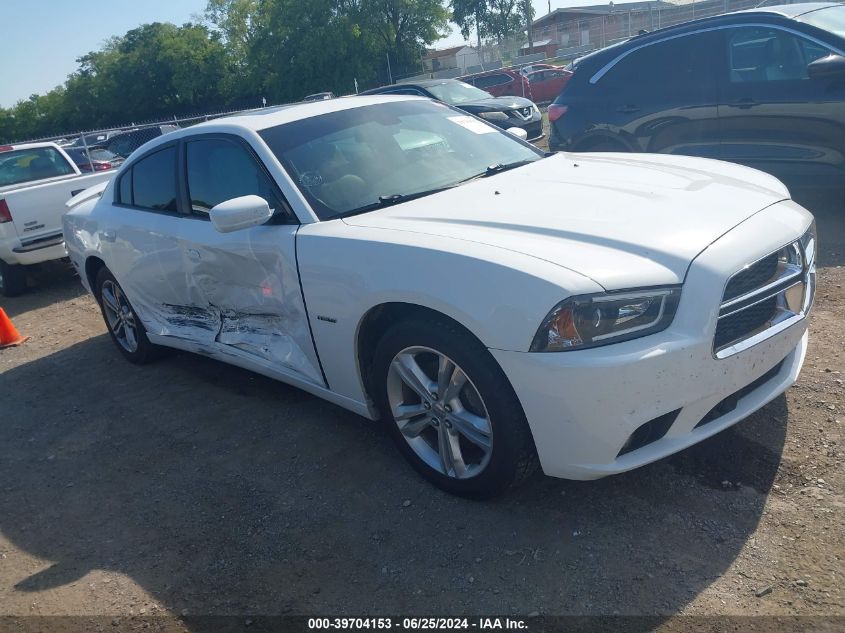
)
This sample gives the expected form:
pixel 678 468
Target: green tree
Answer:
pixel 406 27
pixel 504 19
pixel 527 8
pixel 470 15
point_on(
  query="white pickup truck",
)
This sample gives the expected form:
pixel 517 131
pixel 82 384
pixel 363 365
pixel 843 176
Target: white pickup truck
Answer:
pixel 36 179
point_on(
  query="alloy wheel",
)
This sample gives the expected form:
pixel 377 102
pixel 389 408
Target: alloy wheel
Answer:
pixel 439 412
pixel 119 315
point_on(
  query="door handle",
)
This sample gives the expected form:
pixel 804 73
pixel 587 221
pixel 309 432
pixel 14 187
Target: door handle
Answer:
pixel 744 104
pixel 108 236
pixel 628 109
pixel 194 254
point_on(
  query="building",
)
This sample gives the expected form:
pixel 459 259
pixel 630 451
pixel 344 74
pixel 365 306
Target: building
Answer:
pixel 457 57
pixel 599 25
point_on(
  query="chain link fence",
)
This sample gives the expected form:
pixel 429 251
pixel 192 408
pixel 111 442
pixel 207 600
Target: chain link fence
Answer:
pixel 566 34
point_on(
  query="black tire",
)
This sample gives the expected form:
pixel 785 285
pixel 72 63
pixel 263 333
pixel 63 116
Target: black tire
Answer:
pixel 513 457
pixel 12 279
pixel 145 352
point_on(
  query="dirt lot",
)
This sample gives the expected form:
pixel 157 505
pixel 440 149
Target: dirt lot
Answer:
pixel 191 487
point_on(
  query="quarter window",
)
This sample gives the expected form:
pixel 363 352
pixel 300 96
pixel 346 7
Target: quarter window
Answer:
pixel 219 170
pixel 153 181
pixel 767 54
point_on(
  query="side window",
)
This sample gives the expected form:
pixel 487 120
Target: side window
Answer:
pixel 675 69
pixel 406 91
pixel 154 181
pixel 219 170
pixel 767 54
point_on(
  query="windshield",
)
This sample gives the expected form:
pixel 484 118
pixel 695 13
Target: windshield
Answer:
pixel 356 159
pixel 831 19
pixel 457 92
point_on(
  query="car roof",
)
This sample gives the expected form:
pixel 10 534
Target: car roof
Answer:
pixel 271 117
pixel 17 146
pixel 422 83
pixel 496 71
pixel 792 10
pixel 784 11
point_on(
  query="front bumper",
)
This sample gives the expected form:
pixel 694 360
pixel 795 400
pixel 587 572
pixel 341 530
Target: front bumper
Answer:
pixel 584 406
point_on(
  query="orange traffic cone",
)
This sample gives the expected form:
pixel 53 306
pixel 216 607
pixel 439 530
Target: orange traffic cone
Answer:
pixel 9 336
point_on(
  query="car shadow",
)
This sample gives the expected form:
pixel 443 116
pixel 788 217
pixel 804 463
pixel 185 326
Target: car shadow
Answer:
pixel 48 283
pixel 221 492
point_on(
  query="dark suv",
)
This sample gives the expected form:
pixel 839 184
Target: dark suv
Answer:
pixel 764 87
pixel 504 112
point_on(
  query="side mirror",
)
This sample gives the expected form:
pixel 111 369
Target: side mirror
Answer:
pixel 830 67
pixel 240 213
pixel 518 132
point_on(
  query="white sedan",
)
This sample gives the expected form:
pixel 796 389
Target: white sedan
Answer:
pixel 498 307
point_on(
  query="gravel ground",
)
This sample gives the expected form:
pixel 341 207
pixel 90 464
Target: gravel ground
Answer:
pixel 192 487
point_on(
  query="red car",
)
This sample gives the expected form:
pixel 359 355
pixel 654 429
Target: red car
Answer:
pixel 547 84
pixel 500 83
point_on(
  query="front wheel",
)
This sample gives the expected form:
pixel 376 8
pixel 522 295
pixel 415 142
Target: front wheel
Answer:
pixel 451 410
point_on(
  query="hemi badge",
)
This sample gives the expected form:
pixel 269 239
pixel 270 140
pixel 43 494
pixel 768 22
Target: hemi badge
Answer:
pixel 325 318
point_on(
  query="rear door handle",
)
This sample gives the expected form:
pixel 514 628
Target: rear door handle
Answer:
pixel 194 254
pixel 628 109
pixel 744 104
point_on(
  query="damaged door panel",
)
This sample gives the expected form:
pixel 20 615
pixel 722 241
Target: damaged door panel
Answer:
pixel 242 291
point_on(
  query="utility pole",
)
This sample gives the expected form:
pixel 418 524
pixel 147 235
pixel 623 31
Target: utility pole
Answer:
pixel 389 74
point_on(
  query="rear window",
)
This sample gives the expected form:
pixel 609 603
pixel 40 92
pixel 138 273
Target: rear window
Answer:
pixel 151 182
pixel 29 165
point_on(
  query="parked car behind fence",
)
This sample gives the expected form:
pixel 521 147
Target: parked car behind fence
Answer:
pixel 503 112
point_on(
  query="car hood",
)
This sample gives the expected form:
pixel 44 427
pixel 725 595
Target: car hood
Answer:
pixel 623 220
pixel 496 104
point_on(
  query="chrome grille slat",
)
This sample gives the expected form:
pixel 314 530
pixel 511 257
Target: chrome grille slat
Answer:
pixel 763 298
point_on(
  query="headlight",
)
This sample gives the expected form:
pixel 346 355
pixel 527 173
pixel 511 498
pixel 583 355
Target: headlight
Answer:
pixel 808 244
pixel 809 247
pixel 601 319
pixel 493 116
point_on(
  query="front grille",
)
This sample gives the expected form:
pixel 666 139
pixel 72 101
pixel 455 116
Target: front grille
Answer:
pixel 764 294
pixel 755 276
pixel 523 113
pixel 737 326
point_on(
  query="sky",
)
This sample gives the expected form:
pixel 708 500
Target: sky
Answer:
pixel 43 38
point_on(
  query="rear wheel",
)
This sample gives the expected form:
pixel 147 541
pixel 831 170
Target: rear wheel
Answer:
pixel 451 410
pixel 12 279
pixel 123 323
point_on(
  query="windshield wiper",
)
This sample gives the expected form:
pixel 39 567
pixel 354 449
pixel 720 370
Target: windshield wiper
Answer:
pixel 394 198
pixel 498 168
